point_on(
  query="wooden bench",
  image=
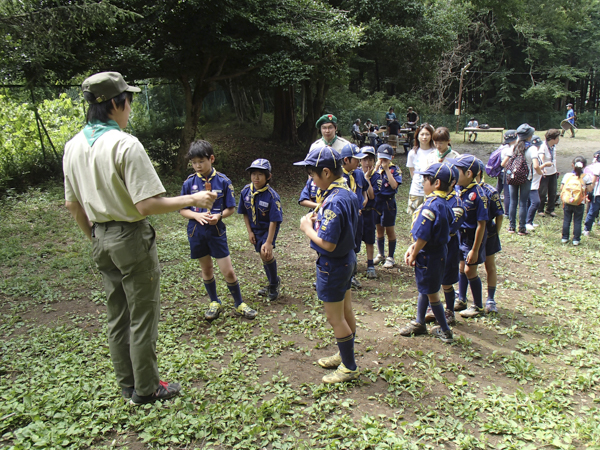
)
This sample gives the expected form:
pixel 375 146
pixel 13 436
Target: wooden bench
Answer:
pixel 483 130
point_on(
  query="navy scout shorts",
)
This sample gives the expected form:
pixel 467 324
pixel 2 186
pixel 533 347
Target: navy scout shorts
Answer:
pixel 429 271
pixel 207 240
pixel 333 277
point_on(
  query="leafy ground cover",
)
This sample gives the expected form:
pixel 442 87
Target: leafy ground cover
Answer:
pixel 528 378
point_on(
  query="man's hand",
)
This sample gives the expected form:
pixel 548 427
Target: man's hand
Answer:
pixel 204 199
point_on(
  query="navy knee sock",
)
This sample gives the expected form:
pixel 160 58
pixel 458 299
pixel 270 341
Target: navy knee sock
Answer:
pixel 381 245
pixel 370 263
pixel 234 288
pixel 422 305
pixel 346 347
pixel 449 295
pixel 438 312
pixel 463 283
pixel 491 294
pixel 391 248
pixel 272 268
pixel 477 291
pixel 267 271
pixel 211 289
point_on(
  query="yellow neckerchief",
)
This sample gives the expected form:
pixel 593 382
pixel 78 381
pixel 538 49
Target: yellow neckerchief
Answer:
pixel 473 183
pixel 340 183
pixel 450 194
pixel 210 177
pixel 443 155
pixel 329 144
pixel 351 180
pixel 440 194
pixel 253 193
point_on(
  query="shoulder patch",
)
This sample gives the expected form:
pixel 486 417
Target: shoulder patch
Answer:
pixel 428 214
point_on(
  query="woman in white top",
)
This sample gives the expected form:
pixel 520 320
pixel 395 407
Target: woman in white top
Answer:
pixel 534 197
pixel 417 162
pixel 549 181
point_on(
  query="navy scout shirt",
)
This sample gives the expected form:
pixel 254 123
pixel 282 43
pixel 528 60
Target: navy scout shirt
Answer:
pixel 220 184
pixel 475 203
pixel 385 190
pixel 495 208
pixel 309 192
pixel 431 222
pixel 267 206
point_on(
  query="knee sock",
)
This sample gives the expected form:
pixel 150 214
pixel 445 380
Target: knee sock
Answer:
pixel 267 271
pixel 422 304
pixel 463 283
pixel 370 263
pixel 491 294
pixel 392 248
pixel 211 289
pixel 438 312
pixel 346 347
pixel 381 245
pixel 234 288
pixel 449 295
pixel 477 291
pixel 271 266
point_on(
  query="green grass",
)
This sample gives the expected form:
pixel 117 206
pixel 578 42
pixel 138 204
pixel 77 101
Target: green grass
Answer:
pixel 529 378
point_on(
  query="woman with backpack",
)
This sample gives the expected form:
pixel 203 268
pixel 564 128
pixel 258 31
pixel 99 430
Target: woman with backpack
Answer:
pixel 518 174
pixel 573 191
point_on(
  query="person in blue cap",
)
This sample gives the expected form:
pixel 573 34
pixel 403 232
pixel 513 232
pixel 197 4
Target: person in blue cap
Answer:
pixel 207 232
pixel 331 229
pixel 351 156
pixel 327 126
pixel 368 212
pixel 261 207
pixel 431 233
pixel 472 234
pixel 390 177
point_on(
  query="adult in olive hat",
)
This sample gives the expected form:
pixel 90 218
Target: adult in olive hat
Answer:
pixel 327 125
pixel 110 188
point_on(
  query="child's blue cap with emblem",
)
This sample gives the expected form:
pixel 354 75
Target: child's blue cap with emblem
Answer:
pixel 322 157
pixel 439 171
pixel 260 163
pixel 454 171
pixel 352 151
pixel 466 161
pixel 385 151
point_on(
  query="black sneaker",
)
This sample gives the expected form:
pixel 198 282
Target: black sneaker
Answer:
pixel 274 290
pixel 413 328
pixel 263 291
pixel 127 392
pixel 445 336
pixel 355 283
pixel 165 391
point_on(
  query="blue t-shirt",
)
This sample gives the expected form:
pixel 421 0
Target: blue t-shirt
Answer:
pixel 571 116
pixel 385 190
pixel 475 203
pixel 431 222
pixel 495 207
pixel 337 219
pixel 267 206
pixel 390 116
pixel 220 184
pixel 309 192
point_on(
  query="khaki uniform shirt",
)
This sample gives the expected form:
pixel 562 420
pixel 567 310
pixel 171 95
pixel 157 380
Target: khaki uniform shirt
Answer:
pixel 110 177
pixel 337 145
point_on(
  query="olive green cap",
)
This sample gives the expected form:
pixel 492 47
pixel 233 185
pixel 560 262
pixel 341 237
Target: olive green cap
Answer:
pixel 326 118
pixel 107 85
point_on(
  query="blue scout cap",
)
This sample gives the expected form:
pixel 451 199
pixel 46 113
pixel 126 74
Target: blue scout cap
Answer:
pixel 321 157
pixel 385 151
pixel 536 140
pixel 510 136
pixel 326 118
pixel 525 131
pixel 351 151
pixel 260 163
pixel 368 151
pixel 465 161
pixel 454 171
pixel 438 170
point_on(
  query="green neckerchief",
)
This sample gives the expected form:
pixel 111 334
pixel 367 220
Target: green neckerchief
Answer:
pixel 321 196
pixel 443 155
pixel 253 193
pixel 473 183
pixel 329 144
pixel 93 130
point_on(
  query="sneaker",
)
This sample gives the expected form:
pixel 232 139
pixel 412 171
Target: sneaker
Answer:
pixel 263 291
pixel 245 311
pixel 529 227
pixel 445 336
pixel 389 263
pixel 564 241
pixel 341 375
pixel 330 362
pixel 450 318
pixel 460 305
pixel 586 233
pixel 371 274
pixel 511 230
pixel 314 284
pixel 355 283
pixel 274 290
pixel 535 225
pixel 575 242
pixel 378 259
pixel 429 316
pixel 414 328
pixel 213 311
pixel 164 392
pixel 523 232
pixel 490 308
pixel 127 392
pixel 471 312
pixel 552 214
pixel 541 214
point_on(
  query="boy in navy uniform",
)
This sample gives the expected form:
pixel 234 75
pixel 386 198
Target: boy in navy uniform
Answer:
pixel 261 207
pixel 332 229
pixel 431 233
pixel 308 196
pixel 390 177
pixel 368 212
pixel 472 234
pixel 492 245
pixel 351 156
pixel 206 230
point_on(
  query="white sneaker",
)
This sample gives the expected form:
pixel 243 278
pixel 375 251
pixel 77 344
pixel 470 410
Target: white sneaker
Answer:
pixel 389 263
pixel 529 227
pixel 378 259
pixel 564 241
pixel 574 243
pixel 586 233
pixel 535 225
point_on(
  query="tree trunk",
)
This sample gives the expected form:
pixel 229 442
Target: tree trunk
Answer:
pixel 193 108
pixel 315 101
pixel 284 122
pixel 262 108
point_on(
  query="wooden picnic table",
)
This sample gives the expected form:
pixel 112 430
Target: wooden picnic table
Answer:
pixel 483 130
